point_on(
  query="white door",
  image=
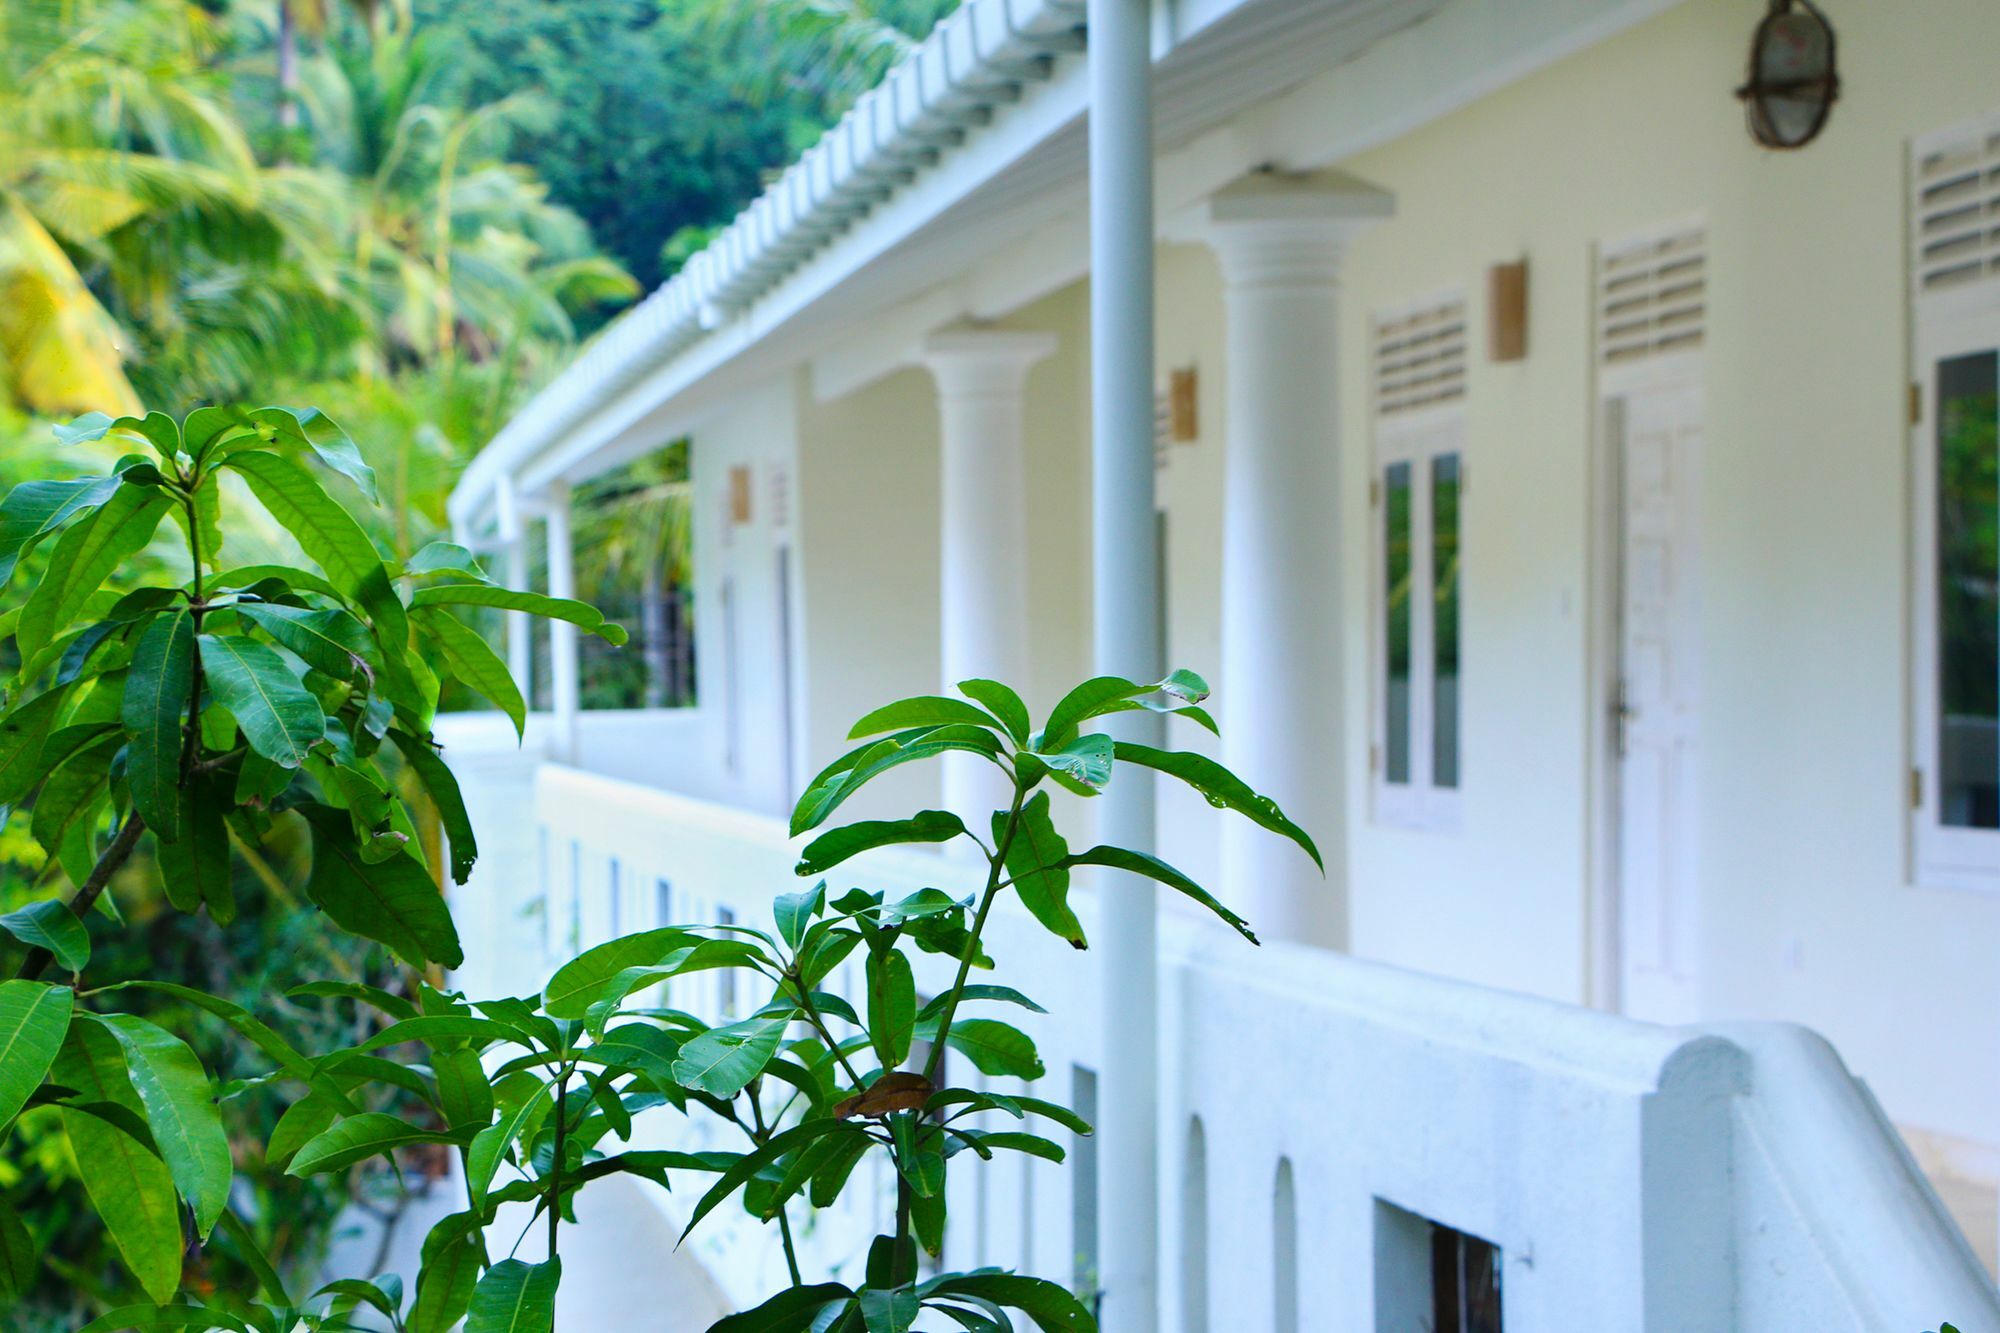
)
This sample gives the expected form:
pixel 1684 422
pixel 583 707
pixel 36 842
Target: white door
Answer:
pixel 1658 433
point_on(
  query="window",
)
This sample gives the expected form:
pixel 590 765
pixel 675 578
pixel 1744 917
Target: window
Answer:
pixel 634 542
pixel 1431 1276
pixel 1419 484
pixel 1955 666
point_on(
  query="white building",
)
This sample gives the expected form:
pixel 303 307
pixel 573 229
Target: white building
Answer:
pixel 1646 672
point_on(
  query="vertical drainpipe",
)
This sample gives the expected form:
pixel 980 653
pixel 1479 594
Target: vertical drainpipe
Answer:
pixel 1125 620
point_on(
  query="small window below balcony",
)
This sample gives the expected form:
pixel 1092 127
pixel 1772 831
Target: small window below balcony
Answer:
pixel 1432 1277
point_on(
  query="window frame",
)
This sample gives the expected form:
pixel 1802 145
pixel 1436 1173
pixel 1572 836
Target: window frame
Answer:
pixel 1948 325
pixel 1417 438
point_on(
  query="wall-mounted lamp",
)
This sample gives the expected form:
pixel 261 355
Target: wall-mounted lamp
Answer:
pixel 1794 78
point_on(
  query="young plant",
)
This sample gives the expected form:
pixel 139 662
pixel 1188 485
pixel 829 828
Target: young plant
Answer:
pixel 199 712
pixel 814 1082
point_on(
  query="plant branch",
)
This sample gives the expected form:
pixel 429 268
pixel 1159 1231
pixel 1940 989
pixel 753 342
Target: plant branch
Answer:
pixel 819 1025
pixel 994 874
pixel 760 1136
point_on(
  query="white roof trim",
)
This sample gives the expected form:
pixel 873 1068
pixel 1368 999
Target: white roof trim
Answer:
pixel 975 59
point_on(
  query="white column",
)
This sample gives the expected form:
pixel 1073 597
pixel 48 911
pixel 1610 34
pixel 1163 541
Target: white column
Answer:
pixel 1280 240
pixel 563 689
pixel 981 376
pixel 1125 563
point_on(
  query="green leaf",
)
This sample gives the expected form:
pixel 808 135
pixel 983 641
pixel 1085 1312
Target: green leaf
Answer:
pixel 313 429
pixel 830 849
pixel 489 1147
pixel 1110 694
pixel 295 579
pixel 330 537
pixel 794 913
pixel 17 1258
pixel 181 1112
pixel 1219 787
pixel 992 1046
pixel 924 710
pixel 374 996
pixel 831 789
pixel 581 614
pixel 33 1018
pixel 445 1283
pixel 330 641
pixel 472 661
pixel 254 1258
pixel 34 509
pixel 892 1006
pixel 71 799
pixel 751 1163
pixel 50 925
pixel 437 778
pixel 84 556
pixel 441 1032
pixel 445 558
pixel 91 426
pixel 722 1061
pixel 1153 868
pixel 793 1310
pixel 253 1029
pixel 394 902
pixel 581 982
pixel 1003 703
pixel 195 862
pixel 23 729
pixel 1035 863
pixel 356 1139
pixel 515 1297
pixel 154 714
pixel 1050 1305
pixel 1083 765
pixel 889 1311
pixel 463 1092
pixel 979 991
pixel 128 1184
pixel 302 1121
pixel 145 1318
pixel 280 718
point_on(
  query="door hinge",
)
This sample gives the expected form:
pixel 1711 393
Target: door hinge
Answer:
pixel 1916 789
pixel 1916 403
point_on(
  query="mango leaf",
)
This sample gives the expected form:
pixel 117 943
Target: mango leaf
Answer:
pixel 34 1016
pixel 246 1024
pixel 793 1310
pixel 579 983
pixel 992 1046
pixel 830 849
pixel 296 580
pixel 1049 1304
pixel 331 539
pixel 892 1006
pixel 71 800
pixel 980 991
pixel 470 659
pixel 51 925
pixel 23 729
pixel 195 863
pixel 356 1139
pixel 444 1285
pixel 924 710
pixel 331 641
pixel 519 1107
pixel 794 912
pixel 1110 694
pixel 154 714
pixel 1003 703
pixel 181 1112
pixel 515 1297
pixel 832 788
pixel 145 1318
pixel 17 1257
pixel 463 1092
pixel 1035 863
pixel 83 557
pixel 1219 787
pixel 253 1257
pixel 581 614
pixel 748 1165
pixel 280 718
pixel 312 428
pixel 1153 868
pixel 34 509
pixel 722 1061
pixel 445 558
pixel 128 1184
pixel 437 778
pixel 889 1311
pixel 1083 765
pixel 374 996
pixel 394 902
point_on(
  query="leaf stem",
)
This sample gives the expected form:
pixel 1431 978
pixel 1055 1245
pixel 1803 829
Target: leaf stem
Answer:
pixel 994 876
pixel 760 1136
pixel 92 887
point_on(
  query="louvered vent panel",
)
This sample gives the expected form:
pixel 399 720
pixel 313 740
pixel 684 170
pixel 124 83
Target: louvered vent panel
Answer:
pixel 1652 296
pixel 1420 357
pixel 1955 208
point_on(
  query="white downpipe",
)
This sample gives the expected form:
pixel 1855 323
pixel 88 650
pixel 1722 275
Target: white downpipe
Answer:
pixel 1125 568
pixel 563 688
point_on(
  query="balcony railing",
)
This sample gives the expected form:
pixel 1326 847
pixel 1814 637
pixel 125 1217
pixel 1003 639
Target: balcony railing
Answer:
pixel 1325 1122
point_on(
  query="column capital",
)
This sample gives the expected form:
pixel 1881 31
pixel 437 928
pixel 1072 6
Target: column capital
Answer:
pixel 983 361
pixel 1278 229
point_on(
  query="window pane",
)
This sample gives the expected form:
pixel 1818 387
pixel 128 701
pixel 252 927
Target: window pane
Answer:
pixel 1968 607
pixel 1396 598
pixel 1444 620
